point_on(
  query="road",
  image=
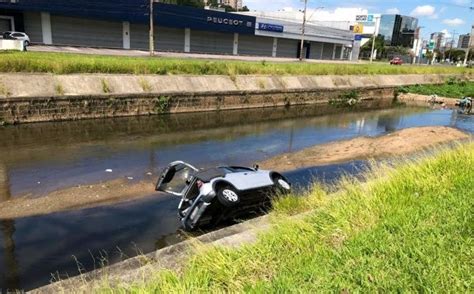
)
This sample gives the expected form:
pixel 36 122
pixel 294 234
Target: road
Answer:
pixel 140 53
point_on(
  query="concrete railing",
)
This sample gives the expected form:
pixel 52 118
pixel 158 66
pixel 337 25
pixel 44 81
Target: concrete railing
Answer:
pixel 18 45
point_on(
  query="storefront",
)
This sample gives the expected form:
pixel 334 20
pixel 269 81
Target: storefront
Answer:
pixel 125 24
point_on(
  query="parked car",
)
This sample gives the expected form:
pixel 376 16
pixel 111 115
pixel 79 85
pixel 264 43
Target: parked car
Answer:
pixel 214 195
pixel 396 61
pixel 17 36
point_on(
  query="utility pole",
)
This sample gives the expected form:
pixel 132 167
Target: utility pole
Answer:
pixel 468 50
pixel 152 30
pixel 303 30
pixel 452 45
pixel 373 39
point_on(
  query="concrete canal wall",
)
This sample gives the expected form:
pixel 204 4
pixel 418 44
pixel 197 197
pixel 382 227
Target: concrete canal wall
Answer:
pixel 45 97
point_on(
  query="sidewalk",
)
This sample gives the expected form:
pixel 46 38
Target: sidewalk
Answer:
pixel 140 53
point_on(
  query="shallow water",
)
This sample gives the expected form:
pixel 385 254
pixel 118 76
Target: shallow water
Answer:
pixel 36 159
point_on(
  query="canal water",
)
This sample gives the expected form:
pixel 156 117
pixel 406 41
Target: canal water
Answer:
pixel 39 158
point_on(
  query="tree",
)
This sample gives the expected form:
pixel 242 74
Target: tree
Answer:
pixel 366 49
pixel 191 3
pixel 455 54
pixel 429 55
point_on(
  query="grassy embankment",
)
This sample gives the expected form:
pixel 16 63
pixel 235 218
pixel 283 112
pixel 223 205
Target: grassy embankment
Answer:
pixel 450 89
pixel 408 229
pixel 59 63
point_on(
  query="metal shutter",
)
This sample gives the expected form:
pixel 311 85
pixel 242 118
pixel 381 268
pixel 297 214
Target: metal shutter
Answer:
pixel 338 52
pixel 33 26
pixel 287 48
pixel 86 32
pixel 212 42
pixel 328 50
pixel 139 36
pixel 257 46
pixel 169 39
pixel 316 50
pixel 4 25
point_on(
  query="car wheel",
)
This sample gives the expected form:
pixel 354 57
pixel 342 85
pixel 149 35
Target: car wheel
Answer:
pixel 27 43
pixel 281 184
pixel 228 196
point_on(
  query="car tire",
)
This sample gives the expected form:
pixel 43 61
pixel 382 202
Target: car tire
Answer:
pixel 27 43
pixel 228 196
pixel 281 184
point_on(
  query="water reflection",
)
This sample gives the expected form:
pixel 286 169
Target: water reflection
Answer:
pixel 11 276
pixel 5 193
pixel 41 158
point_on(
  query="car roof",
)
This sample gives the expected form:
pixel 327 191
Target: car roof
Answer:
pixel 209 174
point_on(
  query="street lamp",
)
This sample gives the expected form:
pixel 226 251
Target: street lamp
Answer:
pixel 377 24
pixel 303 30
pixel 152 30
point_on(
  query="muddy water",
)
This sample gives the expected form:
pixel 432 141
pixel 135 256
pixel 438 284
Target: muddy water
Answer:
pixel 36 159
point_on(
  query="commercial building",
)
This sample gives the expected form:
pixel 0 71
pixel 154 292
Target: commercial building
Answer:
pixel 236 4
pixel 398 30
pixel 125 24
pixel 463 42
pixel 471 43
pixel 438 40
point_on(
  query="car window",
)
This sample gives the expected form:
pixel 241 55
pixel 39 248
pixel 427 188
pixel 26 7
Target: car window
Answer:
pixel 17 35
pixel 237 169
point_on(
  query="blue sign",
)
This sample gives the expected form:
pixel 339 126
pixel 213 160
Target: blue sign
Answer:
pixel 358 38
pixel 201 19
pixel 370 18
pixel 271 27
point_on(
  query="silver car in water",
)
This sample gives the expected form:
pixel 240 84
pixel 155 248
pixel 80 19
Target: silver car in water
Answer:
pixel 210 196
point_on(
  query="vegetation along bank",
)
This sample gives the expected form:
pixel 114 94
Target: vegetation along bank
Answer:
pixel 63 63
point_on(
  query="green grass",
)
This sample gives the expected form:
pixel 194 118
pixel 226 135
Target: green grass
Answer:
pixel 451 89
pixel 59 63
pixel 408 229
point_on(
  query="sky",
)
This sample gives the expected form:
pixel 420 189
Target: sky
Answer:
pixel 434 15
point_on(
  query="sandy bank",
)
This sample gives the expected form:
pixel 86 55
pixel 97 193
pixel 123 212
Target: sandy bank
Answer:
pixel 399 143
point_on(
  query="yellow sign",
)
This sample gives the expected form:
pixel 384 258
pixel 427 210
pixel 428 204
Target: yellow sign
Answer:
pixel 359 29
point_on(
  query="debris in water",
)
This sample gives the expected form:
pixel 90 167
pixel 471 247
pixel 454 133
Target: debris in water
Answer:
pixel 130 178
pixel 39 183
pixel 108 170
pixel 149 174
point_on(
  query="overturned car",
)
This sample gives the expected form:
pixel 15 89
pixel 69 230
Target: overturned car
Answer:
pixel 218 194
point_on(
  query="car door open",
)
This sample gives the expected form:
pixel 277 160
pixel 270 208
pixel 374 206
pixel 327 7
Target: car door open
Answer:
pixel 175 178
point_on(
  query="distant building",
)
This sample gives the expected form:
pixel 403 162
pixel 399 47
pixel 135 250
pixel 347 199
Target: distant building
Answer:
pixel 471 45
pixel 398 30
pixel 236 4
pixel 438 39
pixel 463 42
